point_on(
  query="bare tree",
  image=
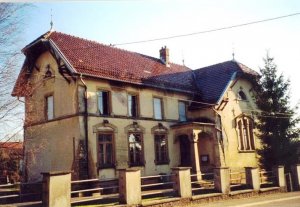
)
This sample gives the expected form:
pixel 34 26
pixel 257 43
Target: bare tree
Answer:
pixel 11 27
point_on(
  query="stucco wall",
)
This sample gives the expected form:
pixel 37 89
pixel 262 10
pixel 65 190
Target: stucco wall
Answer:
pixel 235 107
pixel 64 93
pixel 121 121
pixel 51 147
pixel 121 148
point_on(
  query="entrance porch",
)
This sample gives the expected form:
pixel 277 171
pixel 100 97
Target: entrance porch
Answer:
pixel 199 147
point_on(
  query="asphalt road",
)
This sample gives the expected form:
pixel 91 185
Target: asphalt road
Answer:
pixel 274 200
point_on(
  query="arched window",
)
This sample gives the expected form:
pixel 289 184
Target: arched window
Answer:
pixel 245 133
pixel 242 96
pixel 160 144
pixel 135 144
pixel 105 144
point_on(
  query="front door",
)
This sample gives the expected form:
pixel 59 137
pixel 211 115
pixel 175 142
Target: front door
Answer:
pixel 185 152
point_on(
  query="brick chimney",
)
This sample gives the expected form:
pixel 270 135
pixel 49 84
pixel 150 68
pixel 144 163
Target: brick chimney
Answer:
pixel 164 55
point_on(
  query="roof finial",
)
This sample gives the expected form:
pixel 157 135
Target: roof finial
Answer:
pixel 182 58
pixel 51 22
pixel 233 52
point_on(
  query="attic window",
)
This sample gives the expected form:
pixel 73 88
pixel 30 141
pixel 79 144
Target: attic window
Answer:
pixel 242 96
pixel 48 72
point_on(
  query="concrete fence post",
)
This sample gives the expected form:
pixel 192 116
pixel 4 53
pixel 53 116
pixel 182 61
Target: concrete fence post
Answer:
pixel 278 172
pixel 182 181
pixel 130 186
pixel 56 189
pixel 222 179
pixel 296 176
pixel 252 178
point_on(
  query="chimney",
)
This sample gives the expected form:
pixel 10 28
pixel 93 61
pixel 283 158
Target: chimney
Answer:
pixel 164 55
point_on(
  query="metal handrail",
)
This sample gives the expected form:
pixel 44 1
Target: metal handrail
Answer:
pixel 156 176
pixel 94 189
pixel 202 174
pixel 9 184
pixel 84 181
pixel 157 184
pixel 9 196
pixel 208 182
pixel 93 180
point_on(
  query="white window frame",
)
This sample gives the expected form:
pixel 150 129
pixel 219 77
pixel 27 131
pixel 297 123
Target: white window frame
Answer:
pixel 157 108
pixel 245 127
pixel 182 117
pixel 50 107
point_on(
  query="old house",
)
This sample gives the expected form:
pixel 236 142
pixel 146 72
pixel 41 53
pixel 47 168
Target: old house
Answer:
pixel 94 109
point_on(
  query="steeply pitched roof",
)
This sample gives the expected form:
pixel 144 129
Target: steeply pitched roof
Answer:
pixel 213 80
pixel 103 61
pixel 97 60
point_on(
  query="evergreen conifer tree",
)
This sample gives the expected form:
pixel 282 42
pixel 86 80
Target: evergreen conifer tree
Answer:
pixel 276 121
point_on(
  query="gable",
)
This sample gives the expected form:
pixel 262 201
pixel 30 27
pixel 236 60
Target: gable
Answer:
pixel 213 81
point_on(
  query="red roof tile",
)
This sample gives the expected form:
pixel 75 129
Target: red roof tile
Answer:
pixel 103 61
pixel 11 145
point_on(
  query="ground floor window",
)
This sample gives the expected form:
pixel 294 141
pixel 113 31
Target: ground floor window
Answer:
pixel 136 154
pixel 245 132
pixel 105 150
pixel 161 149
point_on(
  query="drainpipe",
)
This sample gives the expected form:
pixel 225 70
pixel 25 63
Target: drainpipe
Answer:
pixel 86 124
pixel 24 164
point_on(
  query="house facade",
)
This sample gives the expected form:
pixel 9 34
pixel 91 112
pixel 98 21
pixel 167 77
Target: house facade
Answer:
pixel 93 109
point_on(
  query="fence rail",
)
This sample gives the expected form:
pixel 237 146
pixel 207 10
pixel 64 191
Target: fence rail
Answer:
pixel 267 177
pixel 157 185
pixel 202 183
pixel 20 192
pixel 237 178
pixel 82 190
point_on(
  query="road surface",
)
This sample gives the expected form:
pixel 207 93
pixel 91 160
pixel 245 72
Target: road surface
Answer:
pixel 274 200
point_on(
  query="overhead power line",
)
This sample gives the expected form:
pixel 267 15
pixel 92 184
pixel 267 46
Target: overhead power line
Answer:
pixel 208 31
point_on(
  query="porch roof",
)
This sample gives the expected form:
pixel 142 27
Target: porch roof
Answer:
pixel 191 124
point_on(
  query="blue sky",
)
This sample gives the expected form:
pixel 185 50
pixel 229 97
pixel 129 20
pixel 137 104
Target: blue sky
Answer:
pixel 126 21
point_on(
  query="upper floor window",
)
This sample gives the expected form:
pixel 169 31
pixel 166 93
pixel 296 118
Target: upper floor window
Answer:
pixel 242 96
pixel 219 127
pixel 182 110
pixel 132 105
pixel 103 102
pixel 245 133
pixel 136 154
pixel 49 107
pixel 105 150
pixel 81 99
pixel 158 112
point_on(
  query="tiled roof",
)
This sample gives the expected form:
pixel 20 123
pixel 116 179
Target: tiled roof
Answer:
pixel 211 81
pixel 103 61
pixel 11 145
pixel 91 58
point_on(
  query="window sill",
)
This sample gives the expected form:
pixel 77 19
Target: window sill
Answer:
pixel 106 166
pixel 137 165
pixel 162 163
pixel 246 151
